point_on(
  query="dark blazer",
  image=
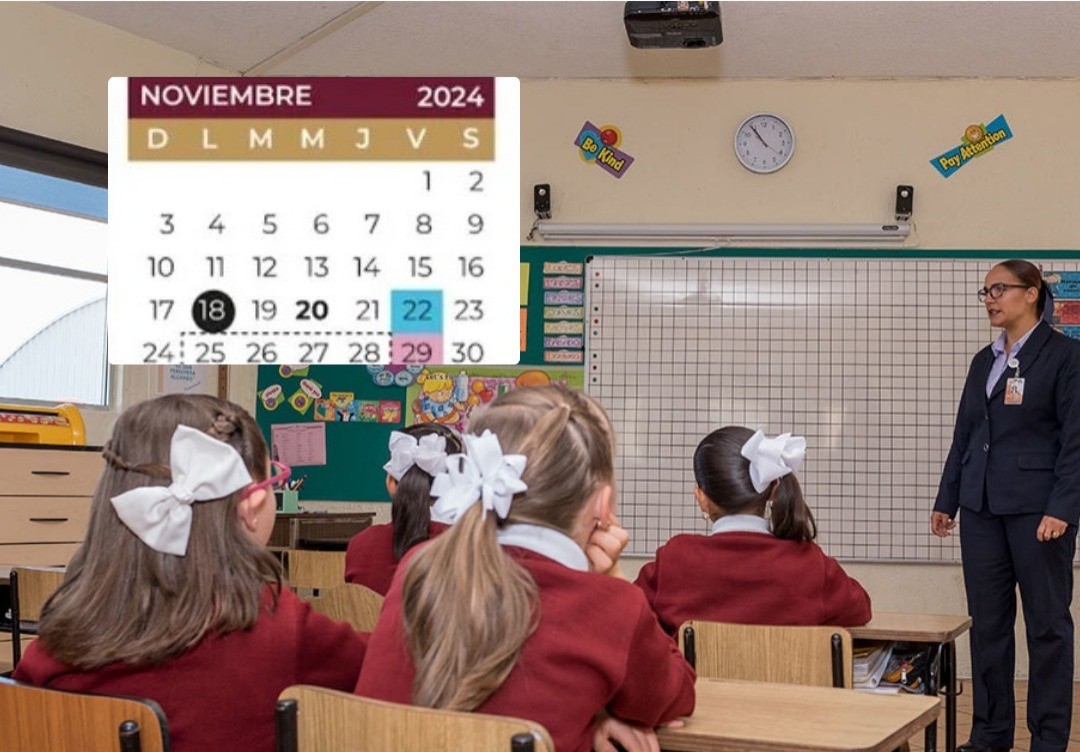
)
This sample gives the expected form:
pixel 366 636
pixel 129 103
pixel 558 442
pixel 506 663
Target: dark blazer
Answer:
pixel 1024 458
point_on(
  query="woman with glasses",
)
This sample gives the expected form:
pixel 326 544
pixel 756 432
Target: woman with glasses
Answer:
pixel 1014 468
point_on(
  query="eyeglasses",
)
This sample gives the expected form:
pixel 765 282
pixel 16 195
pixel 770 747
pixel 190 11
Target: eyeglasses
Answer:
pixel 276 481
pixel 994 291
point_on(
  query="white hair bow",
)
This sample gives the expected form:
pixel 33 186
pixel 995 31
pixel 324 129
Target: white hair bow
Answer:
pixel 429 454
pixel 203 469
pixel 484 474
pixel 773 458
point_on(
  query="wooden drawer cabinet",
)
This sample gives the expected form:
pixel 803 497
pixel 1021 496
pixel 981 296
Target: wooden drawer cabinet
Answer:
pixel 37 554
pixel 43 519
pixel 49 472
pixel 45 495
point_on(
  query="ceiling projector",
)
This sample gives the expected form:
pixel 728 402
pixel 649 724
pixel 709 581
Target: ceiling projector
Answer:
pixel 673 25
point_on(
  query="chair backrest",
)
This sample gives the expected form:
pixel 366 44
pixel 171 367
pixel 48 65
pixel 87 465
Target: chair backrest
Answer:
pixel 35 585
pixel 30 588
pixel 813 656
pixel 315 569
pixel 35 718
pixel 355 604
pixel 313 719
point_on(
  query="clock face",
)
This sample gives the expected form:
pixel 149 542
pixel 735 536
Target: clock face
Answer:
pixel 764 143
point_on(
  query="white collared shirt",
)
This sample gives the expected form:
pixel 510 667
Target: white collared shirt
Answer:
pixel 546 541
pixel 997 347
pixel 741 523
pixel 437 516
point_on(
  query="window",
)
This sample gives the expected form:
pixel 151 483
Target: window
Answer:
pixel 53 204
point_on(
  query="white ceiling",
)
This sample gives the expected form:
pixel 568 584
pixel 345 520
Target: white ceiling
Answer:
pixel 587 39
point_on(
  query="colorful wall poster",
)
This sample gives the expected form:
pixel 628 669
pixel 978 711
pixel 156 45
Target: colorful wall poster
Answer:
pixel 448 394
pixel 600 146
pixel 1065 287
pixel 978 139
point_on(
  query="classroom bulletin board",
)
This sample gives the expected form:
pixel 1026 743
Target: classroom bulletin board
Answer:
pixel 358 406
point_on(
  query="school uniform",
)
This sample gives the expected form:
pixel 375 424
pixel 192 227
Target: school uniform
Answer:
pixel 220 694
pixel 369 559
pixel 597 645
pixel 742 574
pixel 1008 466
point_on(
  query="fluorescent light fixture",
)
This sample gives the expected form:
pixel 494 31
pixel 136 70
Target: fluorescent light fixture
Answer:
pixel 722 234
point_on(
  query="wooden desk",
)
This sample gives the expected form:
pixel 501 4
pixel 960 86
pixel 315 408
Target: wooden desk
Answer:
pixel 321 530
pixel 939 633
pixel 753 717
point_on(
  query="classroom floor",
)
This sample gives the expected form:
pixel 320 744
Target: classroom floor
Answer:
pixel 1023 739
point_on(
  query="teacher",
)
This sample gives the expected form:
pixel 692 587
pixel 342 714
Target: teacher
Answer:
pixel 1014 468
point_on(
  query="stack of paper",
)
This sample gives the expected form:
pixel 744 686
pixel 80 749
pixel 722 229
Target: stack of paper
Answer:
pixel 870 663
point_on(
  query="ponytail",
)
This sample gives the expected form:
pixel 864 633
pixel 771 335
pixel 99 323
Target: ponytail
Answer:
pixel 410 510
pixel 1046 303
pixel 723 474
pixel 791 518
pixel 467 606
pixel 468 609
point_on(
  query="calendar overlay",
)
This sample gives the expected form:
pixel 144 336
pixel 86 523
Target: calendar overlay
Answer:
pixel 314 220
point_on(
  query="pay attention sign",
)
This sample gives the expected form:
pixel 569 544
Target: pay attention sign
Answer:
pixel 978 140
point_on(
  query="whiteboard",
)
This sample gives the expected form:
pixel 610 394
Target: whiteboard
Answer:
pixel 866 358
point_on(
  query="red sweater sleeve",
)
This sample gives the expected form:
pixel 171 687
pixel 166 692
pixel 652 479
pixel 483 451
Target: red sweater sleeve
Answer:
pixel 658 685
pixel 328 653
pixel 844 601
pixel 648 580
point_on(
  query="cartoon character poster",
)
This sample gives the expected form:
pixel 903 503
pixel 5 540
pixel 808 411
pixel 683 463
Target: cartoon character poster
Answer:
pixel 448 397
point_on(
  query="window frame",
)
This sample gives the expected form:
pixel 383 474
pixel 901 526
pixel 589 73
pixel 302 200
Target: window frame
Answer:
pixel 58 159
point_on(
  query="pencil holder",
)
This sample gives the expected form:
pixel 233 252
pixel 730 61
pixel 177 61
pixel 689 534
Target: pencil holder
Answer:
pixel 288 501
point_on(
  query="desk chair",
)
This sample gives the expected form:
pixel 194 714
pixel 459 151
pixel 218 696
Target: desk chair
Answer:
pixel 813 656
pixel 35 719
pixel 30 588
pixel 313 719
pixel 317 570
pixel 354 604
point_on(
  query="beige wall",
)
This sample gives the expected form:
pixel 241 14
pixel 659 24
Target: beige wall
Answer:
pixel 855 141
pixel 57 66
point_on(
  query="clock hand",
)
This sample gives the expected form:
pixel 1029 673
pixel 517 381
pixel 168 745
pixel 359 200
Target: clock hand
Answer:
pixel 759 138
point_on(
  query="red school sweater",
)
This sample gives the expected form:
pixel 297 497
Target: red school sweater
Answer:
pixel 597 646
pixel 750 578
pixel 369 559
pixel 220 694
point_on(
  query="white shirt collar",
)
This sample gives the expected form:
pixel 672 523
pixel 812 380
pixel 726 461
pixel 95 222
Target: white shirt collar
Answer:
pixel 546 541
pixel 741 523
pixel 441 519
pixel 998 345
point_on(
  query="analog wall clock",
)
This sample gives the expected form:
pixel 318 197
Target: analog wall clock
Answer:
pixel 764 143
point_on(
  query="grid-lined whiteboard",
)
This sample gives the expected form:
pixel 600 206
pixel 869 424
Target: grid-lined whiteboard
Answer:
pixel 866 358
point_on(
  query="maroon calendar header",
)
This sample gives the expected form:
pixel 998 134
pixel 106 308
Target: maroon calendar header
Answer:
pixel 261 98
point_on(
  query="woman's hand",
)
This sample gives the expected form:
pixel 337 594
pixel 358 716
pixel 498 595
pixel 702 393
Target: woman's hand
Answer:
pixel 632 738
pixel 941 524
pixel 605 545
pixel 1051 528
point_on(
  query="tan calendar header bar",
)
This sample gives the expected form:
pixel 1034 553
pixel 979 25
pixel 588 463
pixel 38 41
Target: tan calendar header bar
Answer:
pixel 459 139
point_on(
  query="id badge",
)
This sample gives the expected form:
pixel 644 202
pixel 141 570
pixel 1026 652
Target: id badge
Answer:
pixel 1014 391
